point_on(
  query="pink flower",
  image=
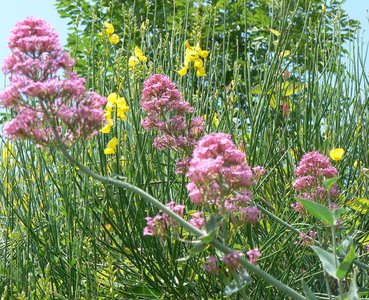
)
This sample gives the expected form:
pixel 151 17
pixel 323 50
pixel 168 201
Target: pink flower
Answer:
pixel 211 265
pixel 232 260
pixel 158 224
pixel 198 220
pixel 253 255
pixel 313 169
pixel 47 107
pixel 167 114
pixel 220 177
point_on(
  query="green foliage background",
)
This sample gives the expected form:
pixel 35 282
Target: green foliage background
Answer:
pixel 65 236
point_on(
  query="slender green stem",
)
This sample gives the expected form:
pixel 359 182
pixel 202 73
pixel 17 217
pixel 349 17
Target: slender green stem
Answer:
pixel 217 244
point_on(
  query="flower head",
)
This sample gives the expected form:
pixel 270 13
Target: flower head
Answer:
pixel 194 55
pixel 108 28
pixel 337 154
pixel 49 109
pixel 112 146
pixel 313 169
pixel 253 255
pixel 114 39
pixel 138 57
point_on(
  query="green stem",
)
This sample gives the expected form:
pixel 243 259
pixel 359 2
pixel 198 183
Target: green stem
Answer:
pixel 217 244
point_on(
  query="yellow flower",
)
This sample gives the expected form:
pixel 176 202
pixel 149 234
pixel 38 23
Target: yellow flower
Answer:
pixel 337 154
pixel 324 8
pixel 198 63
pixel 188 46
pixel 200 72
pixel 108 28
pixel 139 54
pixel 112 146
pixel 204 53
pixel 107 127
pixel 215 120
pixel 183 71
pixel 112 98
pixel 107 115
pixel 133 61
pixel 194 55
pixel 114 39
pixel 356 164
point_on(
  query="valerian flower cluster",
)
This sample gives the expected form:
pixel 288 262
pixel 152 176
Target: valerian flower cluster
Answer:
pixel 220 178
pixel 45 102
pixel 313 169
pixel 168 114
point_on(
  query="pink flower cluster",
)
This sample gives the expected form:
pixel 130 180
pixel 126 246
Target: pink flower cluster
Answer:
pixel 311 172
pixel 220 178
pixel 307 238
pixel 44 103
pixel 167 114
pixel 159 224
pixel 232 260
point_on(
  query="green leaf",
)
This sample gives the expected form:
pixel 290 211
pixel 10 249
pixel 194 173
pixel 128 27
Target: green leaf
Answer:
pixel 329 182
pixel 352 293
pixel 292 88
pixel 344 247
pixel 256 90
pixel 337 213
pixel 327 259
pixel 345 265
pixel 238 283
pixel 318 210
pixel 308 292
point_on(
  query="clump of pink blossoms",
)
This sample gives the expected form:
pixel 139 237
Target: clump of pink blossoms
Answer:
pixel 168 114
pixel 220 178
pixel 313 169
pixel 158 225
pixel 45 102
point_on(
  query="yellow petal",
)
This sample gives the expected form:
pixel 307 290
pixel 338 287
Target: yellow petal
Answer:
pixel 337 154
pixel 198 63
pixel 204 53
pixel 112 98
pixel 200 72
pixel 188 46
pixel 108 28
pixel 183 71
pixel 114 39
pixel 138 52
pixel 121 115
pixel 108 151
pixel 133 61
pixel 107 115
pixel 142 58
pixel 284 53
pixel 105 129
pixel 121 102
pixel 275 32
pixel 361 205
pixel 113 143
pixel 215 120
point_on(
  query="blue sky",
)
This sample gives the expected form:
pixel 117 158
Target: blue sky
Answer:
pixel 9 15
